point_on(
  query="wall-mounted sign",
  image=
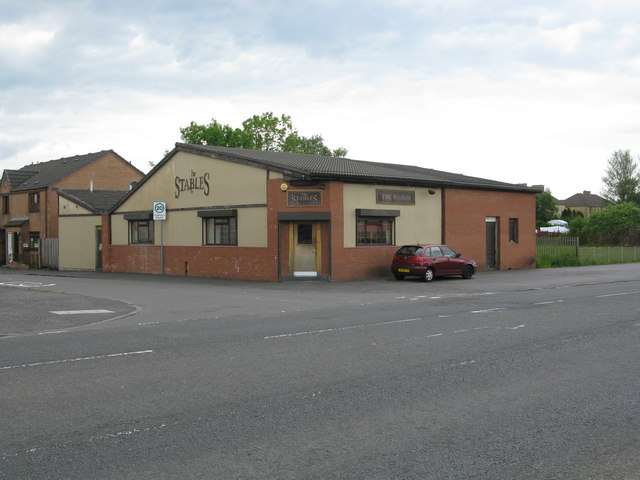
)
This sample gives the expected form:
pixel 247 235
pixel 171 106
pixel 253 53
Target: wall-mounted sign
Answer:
pixel 304 198
pixel 193 183
pixel 395 197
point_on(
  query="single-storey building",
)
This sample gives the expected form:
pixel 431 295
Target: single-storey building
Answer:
pixel 81 213
pixel 245 214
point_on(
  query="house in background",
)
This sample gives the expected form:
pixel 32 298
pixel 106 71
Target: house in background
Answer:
pixel 246 214
pixel 585 203
pixel 29 200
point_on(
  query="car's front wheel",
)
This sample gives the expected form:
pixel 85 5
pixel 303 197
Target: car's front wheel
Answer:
pixel 428 275
pixel 467 273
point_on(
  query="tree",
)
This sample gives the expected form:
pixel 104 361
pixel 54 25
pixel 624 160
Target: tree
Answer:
pixel 612 224
pixel 259 132
pixel 545 208
pixel 621 180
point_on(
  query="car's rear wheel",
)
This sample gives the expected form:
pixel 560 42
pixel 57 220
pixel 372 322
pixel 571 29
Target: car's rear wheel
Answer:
pixel 398 276
pixel 428 275
pixel 467 272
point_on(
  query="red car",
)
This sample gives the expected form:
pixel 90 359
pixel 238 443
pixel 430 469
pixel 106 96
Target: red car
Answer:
pixel 430 261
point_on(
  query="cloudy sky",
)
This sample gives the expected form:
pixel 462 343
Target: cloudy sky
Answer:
pixel 539 92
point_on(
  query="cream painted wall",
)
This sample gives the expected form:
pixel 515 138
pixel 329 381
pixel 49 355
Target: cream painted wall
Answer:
pixel 67 207
pixel 184 228
pixel 119 230
pixel 229 183
pixel 420 223
pixel 77 244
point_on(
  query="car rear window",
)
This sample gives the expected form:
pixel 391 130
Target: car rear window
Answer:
pixel 410 250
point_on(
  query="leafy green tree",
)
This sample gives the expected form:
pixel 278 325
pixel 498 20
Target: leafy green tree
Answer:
pixel 259 132
pixel 546 208
pixel 621 179
pixel 578 227
pixel 611 225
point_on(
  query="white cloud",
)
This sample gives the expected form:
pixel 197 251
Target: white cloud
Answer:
pixel 540 93
pixel 568 38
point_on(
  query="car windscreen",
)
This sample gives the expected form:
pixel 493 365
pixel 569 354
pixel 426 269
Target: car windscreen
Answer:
pixel 410 250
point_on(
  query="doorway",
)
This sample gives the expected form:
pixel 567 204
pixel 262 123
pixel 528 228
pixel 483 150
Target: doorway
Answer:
pixel 492 242
pixel 13 247
pixel 306 251
pixel 98 248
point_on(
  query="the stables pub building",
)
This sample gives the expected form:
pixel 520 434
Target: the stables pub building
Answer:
pixel 245 214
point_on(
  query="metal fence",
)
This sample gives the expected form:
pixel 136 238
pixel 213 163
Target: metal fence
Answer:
pixel 49 253
pixel 606 255
pixel 555 247
pixel 558 246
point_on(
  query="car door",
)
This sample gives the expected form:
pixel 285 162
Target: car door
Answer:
pixel 439 261
pixel 454 264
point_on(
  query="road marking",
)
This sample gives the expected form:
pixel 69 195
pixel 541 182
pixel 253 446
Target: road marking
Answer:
pixel 337 329
pixel 488 310
pixel 516 328
pixel 79 312
pixel 549 302
pixel 26 284
pixel 79 359
pixel 616 294
pixel 461 364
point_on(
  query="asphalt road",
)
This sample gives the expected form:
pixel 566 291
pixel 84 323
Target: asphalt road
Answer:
pixel 510 375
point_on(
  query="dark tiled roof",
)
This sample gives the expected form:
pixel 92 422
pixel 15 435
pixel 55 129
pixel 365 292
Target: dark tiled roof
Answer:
pixel 316 167
pixel 45 174
pixel 17 177
pixel 97 201
pixel 584 199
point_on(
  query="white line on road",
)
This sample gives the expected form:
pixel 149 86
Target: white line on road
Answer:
pixel 488 310
pixel 616 294
pixel 79 312
pixel 337 329
pixel 26 284
pixel 80 359
pixel 549 302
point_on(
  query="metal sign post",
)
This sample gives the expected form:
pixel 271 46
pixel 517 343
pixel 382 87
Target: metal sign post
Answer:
pixel 160 214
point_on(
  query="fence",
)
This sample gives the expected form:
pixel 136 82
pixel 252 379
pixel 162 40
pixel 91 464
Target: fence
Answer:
pixel 49 253
pixel 606 255
pixel 550 248
pixel 558 246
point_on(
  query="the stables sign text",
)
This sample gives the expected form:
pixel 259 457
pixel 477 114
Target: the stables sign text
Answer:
pixel 395 197
pixel 304 198
pixel 194 183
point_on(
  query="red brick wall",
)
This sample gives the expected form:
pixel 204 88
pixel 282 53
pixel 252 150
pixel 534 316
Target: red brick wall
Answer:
pixel 107 173
pixel 464 225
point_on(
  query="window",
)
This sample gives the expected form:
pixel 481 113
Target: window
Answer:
pixel 141 231
pixel 220 231
pixel 34 240
pixel 513 230
pixel 447 252
pixel 34 202
pixel 436 252
pixel 374 231
pixel 5 205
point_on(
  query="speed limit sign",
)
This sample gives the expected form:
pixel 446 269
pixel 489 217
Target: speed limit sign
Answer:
pixel 159 210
